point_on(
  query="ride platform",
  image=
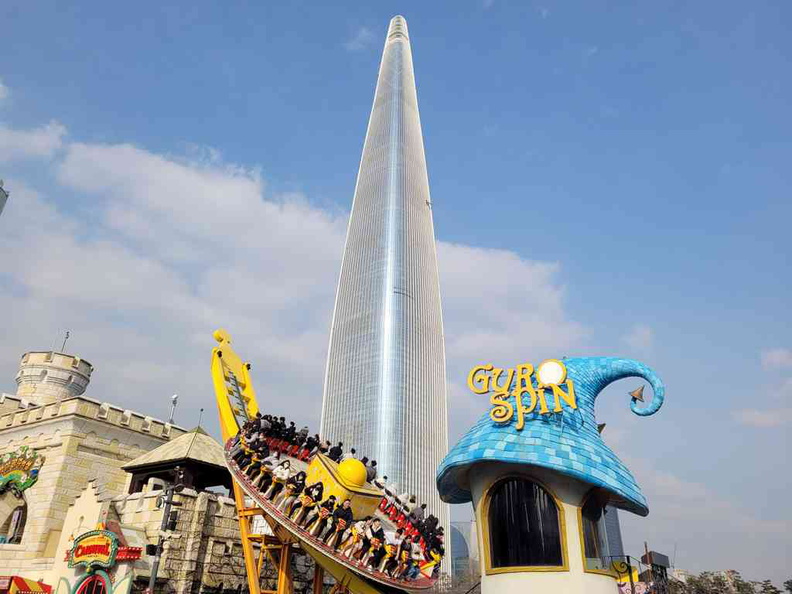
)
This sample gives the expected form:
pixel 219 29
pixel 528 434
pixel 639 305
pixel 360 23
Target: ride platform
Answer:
pixel 237 404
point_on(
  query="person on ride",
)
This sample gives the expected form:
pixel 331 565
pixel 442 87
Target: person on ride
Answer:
pixel 280 475
pixel 371 470
pixel 416 558
pixel 386 558
pixel 321 517
pixel 236 445
pixel 372 541
pixel 242 457
pixel 311 495
pixel 417 514
pixel 290 433
pixel 404 557
pixel 264 479
pixel 253 468
pixel 303 434
pixel 294 486
pixel 342 519
pixel 258 451
pixel 355 539
pixel 349 455
pixel 336 452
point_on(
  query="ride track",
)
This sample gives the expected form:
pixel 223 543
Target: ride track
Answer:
pixel 236 402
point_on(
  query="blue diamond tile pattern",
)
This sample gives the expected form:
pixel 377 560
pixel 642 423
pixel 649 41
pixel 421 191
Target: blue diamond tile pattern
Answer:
pixel 567 442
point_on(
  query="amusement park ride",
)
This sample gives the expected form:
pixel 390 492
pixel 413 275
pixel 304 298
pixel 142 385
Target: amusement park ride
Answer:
pixel 236 402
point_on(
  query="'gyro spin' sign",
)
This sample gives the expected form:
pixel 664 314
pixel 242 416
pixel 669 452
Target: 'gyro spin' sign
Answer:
pixel 528 387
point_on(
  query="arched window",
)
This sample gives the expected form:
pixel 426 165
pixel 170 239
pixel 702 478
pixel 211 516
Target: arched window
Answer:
pixel 524 528
pixel 14 527
pixel 595 535
pixel 93 584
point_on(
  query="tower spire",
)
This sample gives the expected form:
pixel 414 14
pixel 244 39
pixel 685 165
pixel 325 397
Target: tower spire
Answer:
pixel 385 391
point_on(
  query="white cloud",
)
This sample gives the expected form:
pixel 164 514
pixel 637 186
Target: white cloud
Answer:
pixel 362 38
pixel 30 144
pixel 497 308
pixel 764 418
pixel 27 144
pixel 4 90
pixel 173 247
pixel 640 337
pixel 776 358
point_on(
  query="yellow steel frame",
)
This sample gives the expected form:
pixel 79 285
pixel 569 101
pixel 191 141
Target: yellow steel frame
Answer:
pixel 234 391
pixel 236 400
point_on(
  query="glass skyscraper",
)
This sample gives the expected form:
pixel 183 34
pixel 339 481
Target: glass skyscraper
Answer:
pixel 385 389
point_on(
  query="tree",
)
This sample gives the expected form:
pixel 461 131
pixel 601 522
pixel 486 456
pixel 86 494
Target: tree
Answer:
pixel 767 587
pixel 788 586
pixel 707 583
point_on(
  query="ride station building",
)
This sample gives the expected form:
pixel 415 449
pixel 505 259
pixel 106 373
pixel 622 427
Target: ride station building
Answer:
pixel 541 479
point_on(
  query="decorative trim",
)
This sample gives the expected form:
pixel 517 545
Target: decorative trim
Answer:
pixel 19 470
pixel 485 529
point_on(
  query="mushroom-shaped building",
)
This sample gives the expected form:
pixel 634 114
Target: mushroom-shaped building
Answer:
pixel 539 475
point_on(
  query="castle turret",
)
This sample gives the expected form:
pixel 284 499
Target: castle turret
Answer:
pixel 46 377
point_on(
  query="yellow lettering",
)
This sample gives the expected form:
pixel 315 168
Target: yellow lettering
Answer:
pixel 569 396
pixel 540 392
pixel 479 379
pixel 502 410
pixel 503 389
pixel 524 386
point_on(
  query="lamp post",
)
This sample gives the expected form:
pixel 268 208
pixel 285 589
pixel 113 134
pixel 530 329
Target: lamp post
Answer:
pixel 167 524
pixel 174 402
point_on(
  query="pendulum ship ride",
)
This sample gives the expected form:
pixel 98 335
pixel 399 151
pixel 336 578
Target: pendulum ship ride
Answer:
pixel 236 402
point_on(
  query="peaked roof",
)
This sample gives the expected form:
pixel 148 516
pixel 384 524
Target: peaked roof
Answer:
pixel 568 443
pixel 195 445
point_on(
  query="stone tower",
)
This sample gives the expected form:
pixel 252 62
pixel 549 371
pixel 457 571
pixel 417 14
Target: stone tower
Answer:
pixel 47 377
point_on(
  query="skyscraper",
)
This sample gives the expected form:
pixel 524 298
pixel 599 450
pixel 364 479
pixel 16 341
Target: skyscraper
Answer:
pixel 385 390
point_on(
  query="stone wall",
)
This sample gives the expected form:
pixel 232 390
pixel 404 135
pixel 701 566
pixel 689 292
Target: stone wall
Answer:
pixel 204 548
pixel 82 440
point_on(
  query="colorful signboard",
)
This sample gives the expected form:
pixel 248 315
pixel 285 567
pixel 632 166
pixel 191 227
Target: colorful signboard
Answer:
pixel 97 548
pixel 19 470
pixel 529 389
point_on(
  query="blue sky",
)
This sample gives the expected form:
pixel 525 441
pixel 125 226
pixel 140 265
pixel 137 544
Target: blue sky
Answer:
pixel 620 174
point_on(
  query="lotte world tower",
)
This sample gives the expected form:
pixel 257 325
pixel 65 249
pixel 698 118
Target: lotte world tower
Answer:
pixel 385 389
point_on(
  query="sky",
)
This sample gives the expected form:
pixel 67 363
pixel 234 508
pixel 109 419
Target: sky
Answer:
pixel 607 179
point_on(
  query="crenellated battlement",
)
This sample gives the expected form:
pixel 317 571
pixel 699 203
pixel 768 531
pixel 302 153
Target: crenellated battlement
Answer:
pixel 16 411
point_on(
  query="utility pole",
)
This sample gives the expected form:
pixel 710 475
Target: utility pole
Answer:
pixel 165 499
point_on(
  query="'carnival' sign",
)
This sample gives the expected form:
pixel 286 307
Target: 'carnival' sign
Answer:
pixel 528 387
pixel 97 548
pixel 19 470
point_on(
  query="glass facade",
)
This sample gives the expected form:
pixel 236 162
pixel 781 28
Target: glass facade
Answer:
pixel 385 391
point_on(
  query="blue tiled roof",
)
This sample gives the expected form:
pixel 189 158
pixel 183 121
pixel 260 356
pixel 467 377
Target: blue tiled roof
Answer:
pixel 567 442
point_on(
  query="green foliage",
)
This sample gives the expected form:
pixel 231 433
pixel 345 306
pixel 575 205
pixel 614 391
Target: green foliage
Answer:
pixel 766 587
pixel 730 582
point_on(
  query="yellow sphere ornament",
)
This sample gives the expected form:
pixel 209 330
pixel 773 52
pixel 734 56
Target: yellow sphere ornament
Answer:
pixel 353 472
